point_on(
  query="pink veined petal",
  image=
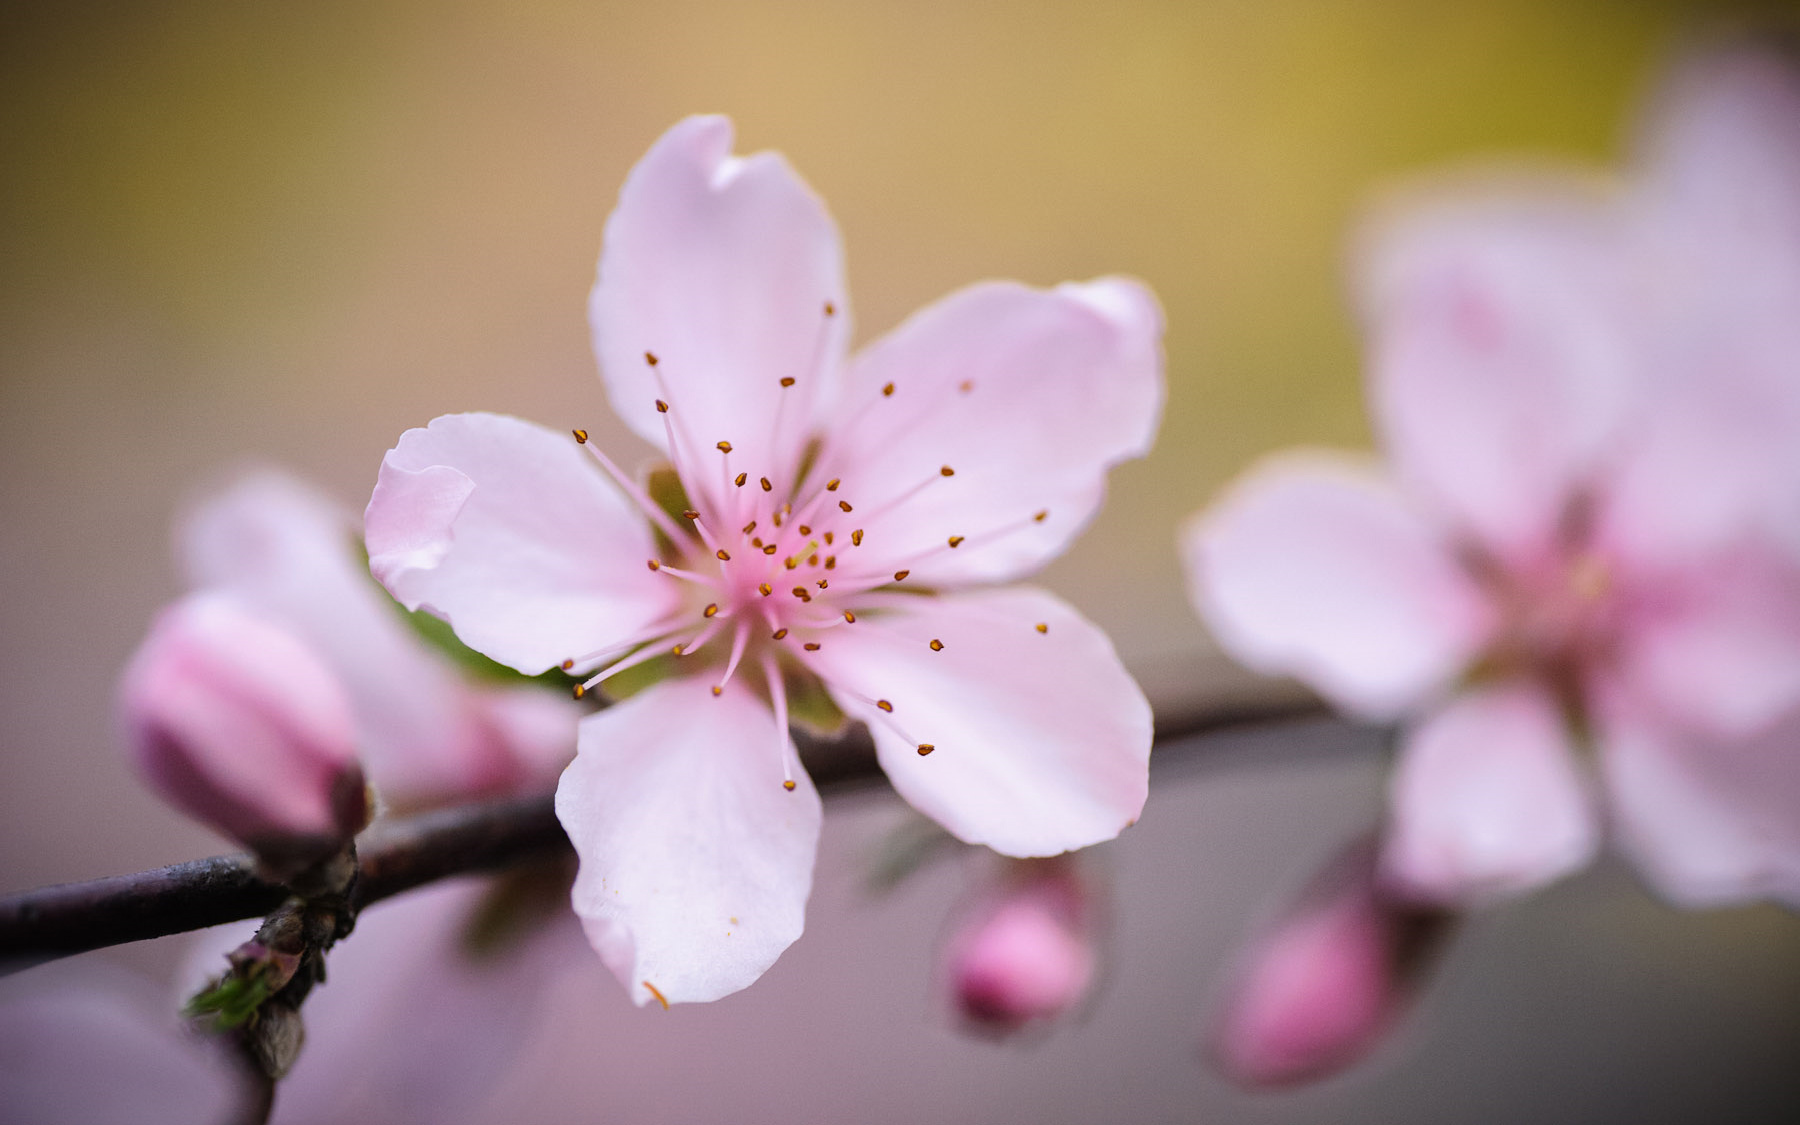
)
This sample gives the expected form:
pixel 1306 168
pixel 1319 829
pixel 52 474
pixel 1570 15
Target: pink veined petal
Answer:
pixel 1716 646
pixel 542 562
pixel 1486 801
pixel 1026 396
pixel 1040 739
pixel 695 862
pixel 289 552
pixel 1709 822
pixel 721 267
pixel 1498 352
pixel 1312 566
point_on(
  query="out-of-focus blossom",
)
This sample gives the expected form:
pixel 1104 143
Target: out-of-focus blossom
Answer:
pixel 1024 952
pixel 1320 990
pixel 427 731
pixel 242 726
pixel 820 498
pixel 92 1046
pixel 1590 405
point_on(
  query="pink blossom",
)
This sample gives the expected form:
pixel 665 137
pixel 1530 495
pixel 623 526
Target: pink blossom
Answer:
pixel 427 732
pixel 1321 990
pixel 241 725
pixel 1589 399
pixel 822 497
pixel 1025 951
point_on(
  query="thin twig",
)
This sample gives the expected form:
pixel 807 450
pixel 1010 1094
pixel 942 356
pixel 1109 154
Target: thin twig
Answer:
pixel 399 855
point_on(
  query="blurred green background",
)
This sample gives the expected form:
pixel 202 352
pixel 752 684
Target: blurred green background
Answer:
pixel 289 232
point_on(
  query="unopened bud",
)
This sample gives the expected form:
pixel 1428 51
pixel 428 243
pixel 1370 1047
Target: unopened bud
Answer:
pixel 1024 953
pixel 1322 989
pixel 238 723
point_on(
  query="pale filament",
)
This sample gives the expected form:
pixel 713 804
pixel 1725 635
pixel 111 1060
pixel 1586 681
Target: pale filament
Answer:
pixel 778 697
pixel 632 489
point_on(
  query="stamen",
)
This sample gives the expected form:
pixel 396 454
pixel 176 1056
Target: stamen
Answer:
pixel 967 386
pixel 830 562
pixel 653 564
pixel 1041 516
pixel 956 541
pixel 725 447
pixel 822 584
pixel 779 634
pixel 662 407
pixel 1043 626
pixel 830 309
pixel 650 358
pixel 800 592
pixel 778 698
pixel 579 691
pixel 849 618
pixel 947 471
pixel 766 486
pixel 844 505
pixel 804 530
pixel 787 380
pixel 856 538
pixel 568 664
pixel 748 528
pixel 740 479
pixel 937 645
pixel 828 538
pixel 768 548
pixel 900 575
pixel 580 437
pixel 925 748
pixel 887 391
pixel 765 589
pixel 885 705
pixel 711 610
pixel 638 496
pixel 811 646
pixel 687 575
pixel 723 554
pixel 633 660
pixel 832 484
pixel 738 641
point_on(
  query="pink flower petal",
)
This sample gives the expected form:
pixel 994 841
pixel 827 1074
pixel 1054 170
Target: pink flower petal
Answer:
pixel 1709 822
pixel 288 551
pixel 1498 352
pixel 1486 800
pixel 544 559
pixel 1041 741
pixel 1027 396
pixel 1312 566
pixel 695 862
pixel 1718 646
pixel 722 268
pixel 240 724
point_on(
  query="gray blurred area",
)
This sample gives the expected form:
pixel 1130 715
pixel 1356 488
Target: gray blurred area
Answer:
pixel 287 233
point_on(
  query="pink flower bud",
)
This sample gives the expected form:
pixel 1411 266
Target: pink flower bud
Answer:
pixel 1024 952
pixel 1321 990
pixel 238 723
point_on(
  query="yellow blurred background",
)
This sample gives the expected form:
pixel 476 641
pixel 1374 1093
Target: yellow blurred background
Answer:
pixel 289 232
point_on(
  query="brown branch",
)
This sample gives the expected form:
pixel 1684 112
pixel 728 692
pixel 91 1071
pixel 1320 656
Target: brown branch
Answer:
pixel 399 855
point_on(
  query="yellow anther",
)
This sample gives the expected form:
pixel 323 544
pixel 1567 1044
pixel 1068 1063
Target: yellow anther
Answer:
pixel 724 555
pixel 650 358
pixel 581 436
pixel 788 785
pixel 856 538
pixel 830 309
pixel 741 478
pixel 844 505
pixel 822 584
pixel 800 591
pixel 849 618
pixel 767 487
pixel 724 447
pixel 937 645
pixel 887 390
pixel 765 589
pixel 787 380
pixel 662 407
pixel 1042 516
pixel 885 705
pixel 947 471
pixel 779 633
pixel 679 650
pixel 1043 626
pixel 749 527
pixel 567 664
pixel 653 564
pixel 828 538
pixel 832 484
pixel 579 691
pixel 811 646
pixel 690 514
pixel 900 575
pixel 804 530
pixel 718 689
pixel 925 748
pixel 830 562
pixel 711 610
pixel 768 548
pixel 956 541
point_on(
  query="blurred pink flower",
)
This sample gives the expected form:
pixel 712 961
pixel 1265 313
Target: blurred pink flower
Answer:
pixel 967 447
pixel 427 731
pixel 1321 990
pixel 1024 952
pixel 242 726
pixel 1590 404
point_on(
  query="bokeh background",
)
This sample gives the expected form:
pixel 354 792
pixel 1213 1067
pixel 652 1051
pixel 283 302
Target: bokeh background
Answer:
pixel 234 232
